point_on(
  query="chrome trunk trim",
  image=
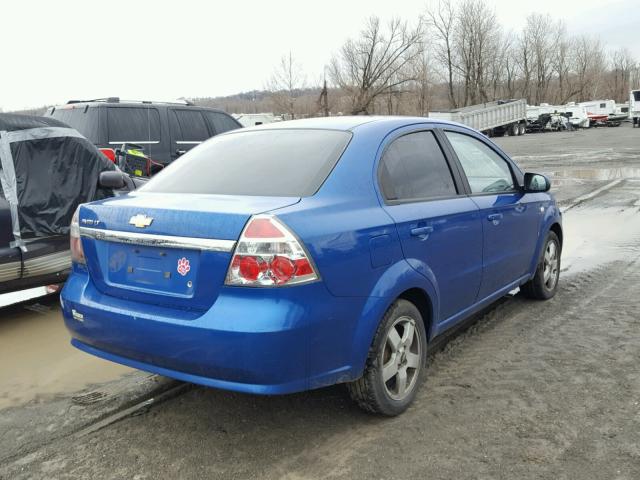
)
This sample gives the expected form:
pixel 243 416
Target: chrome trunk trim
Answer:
pixel 152 240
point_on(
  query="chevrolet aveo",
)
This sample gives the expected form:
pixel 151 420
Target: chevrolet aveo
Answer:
pixel 293 256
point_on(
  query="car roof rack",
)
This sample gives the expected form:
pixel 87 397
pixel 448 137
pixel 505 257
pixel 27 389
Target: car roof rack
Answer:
pixel 181 101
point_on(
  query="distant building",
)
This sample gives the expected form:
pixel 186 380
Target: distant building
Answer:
pixel 251 119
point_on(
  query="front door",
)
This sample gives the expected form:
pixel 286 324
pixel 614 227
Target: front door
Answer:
pixel 510 217
pixel 188 129
pixel 440 231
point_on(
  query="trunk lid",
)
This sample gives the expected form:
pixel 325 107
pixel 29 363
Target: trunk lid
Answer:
pixel 166 249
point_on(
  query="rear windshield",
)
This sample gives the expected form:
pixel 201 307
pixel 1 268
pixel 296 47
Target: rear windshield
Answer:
pixel 288 163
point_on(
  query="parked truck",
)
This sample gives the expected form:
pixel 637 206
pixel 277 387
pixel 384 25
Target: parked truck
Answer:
pixel 502 117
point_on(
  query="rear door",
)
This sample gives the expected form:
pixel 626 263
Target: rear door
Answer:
pixel 188 129
pixel 439 227
pixel 139 124
pixel 510 217
pixel 10 258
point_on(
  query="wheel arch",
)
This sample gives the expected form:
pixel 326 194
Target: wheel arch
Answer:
pixel 557 229
pixel 402 282
pixel 423 303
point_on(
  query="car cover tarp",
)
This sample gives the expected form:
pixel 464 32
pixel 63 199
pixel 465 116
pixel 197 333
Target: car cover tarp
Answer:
pixel 46 170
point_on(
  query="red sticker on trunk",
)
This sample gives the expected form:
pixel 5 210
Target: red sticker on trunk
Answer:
pixel 183 266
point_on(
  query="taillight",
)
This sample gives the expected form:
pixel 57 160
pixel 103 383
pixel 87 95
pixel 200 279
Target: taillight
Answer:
pixel 268 254
pixel 110 153
pixel 75 244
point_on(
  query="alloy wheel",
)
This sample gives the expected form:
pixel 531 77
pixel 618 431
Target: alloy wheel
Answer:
pixel 401 358
pixel 551 265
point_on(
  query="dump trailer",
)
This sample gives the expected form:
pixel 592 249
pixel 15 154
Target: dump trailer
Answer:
pixel 502 117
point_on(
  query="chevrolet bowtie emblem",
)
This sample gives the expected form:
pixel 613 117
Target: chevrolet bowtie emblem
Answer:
pixel 140 220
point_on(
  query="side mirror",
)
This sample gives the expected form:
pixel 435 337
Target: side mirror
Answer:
pixel 114 180
pixel 534 182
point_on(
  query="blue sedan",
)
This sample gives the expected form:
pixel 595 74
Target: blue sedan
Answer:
pixel 293 256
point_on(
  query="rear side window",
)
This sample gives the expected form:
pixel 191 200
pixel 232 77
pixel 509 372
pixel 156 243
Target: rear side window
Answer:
pixel 414 167
pixel 133 124
pixel 221 122
pixel 288 163
pixel 486 171
pixel 192 126
pixel 636 95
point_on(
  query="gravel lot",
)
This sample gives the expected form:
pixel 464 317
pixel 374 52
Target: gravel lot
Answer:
pixel 525 390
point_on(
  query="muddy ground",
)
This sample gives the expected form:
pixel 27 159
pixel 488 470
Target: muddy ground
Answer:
pixel 525 390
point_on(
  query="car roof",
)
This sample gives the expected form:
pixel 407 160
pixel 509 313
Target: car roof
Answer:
pixel 12 121
pixel 135 104
pixel 350 123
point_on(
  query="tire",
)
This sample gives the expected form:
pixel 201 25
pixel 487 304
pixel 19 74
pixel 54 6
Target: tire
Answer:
pixel 544 283
pixel 392 354
pixel 523 129
pixel 514 129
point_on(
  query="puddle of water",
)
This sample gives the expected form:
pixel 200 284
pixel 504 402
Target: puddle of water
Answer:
pixel 570 176
pixel 38 361
pixel 596 236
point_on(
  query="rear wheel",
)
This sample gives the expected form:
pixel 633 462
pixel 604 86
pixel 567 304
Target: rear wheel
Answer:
pixel 544 283
pixel 395 364
pixel 523 129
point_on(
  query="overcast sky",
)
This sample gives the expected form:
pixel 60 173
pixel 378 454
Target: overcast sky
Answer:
pixel 53 51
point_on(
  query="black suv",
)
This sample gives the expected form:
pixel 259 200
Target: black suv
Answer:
pixel 164 130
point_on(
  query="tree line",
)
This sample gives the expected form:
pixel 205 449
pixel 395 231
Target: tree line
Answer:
pixel 454 55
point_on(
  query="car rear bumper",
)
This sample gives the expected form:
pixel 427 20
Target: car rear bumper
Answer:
pixel 251 340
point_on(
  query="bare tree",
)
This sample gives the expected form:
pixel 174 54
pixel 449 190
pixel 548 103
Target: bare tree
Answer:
pixel 589 65
pixel 562 66
pixel 508 61
pixel 621 64
pixel 376 63
pixel 440 20
pixel 422 69
pixel 285 84
pixel 538 34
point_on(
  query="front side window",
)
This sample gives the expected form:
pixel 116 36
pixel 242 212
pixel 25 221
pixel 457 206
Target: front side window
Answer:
pixel 221 122
pixel 192 126
pixel 414 167
pixel 486 171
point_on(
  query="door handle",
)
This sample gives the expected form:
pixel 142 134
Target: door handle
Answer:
pixel 422 232
pixel 495 218
pixel 520 207
pixel 180 152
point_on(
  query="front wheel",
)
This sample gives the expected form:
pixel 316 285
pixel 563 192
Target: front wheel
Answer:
pixel 395 364
pixel 544 283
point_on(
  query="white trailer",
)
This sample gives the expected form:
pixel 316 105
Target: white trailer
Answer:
pixel 252 119
pixel 622 112
pixel 600 107
pixel 634 107
pixel 577 115
pixel 492 118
